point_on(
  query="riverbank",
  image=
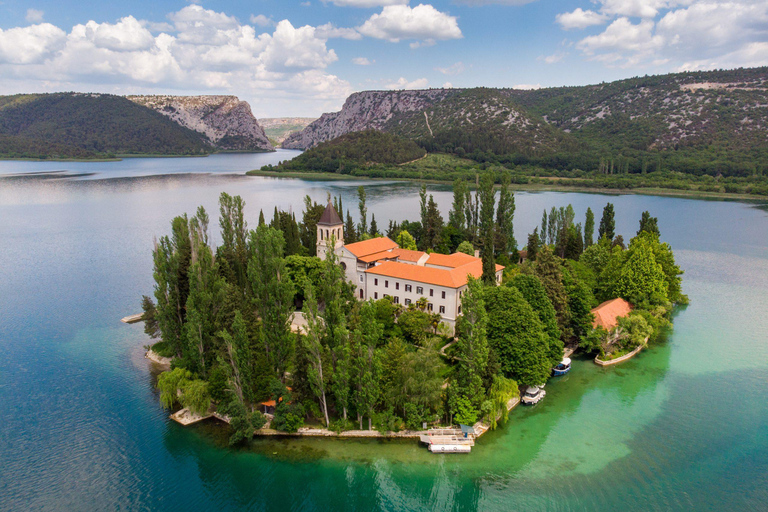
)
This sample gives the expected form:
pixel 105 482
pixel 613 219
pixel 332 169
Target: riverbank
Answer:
pixel 555 185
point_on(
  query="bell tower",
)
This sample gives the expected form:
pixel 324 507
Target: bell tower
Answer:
pixel 329 227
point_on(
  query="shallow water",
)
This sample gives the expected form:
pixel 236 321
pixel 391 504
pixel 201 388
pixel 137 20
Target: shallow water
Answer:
pixel 684 425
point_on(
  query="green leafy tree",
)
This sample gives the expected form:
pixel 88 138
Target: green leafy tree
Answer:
pixel 607 223
pixel 233 250
pixel 362 228
pixel 406 241
pixel 315 352
pixel 308 227
pixel 350 232
pixel 548 270
pixel 207 291
pixel 273 294
pixel 466 248
pixel 505 215
pixel 535 295
pixel 641 278
pixel 374 227
pixel 172 256
pixel 518 337
pixel 589 228
pixel 487 201
pixel 471 344
pixel 456 215
pixel 649 224
pixel 366 364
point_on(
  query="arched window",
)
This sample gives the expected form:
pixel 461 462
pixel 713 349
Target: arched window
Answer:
pixel 321 234
pixel 343 265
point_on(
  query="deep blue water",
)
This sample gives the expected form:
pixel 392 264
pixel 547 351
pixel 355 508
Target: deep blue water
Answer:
pixel 682 426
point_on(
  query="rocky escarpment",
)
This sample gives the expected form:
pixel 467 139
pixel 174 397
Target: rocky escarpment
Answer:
pixel 364 111
pixel 225 121
pixel 280 128
pixel 698 110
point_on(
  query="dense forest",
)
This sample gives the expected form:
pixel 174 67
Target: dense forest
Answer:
pixel 224 314
pixel 89 125
pixel 356 150
pixel 694 124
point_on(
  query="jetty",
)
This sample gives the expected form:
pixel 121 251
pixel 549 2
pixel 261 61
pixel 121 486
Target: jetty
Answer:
pixel 132 319
pixel 186 417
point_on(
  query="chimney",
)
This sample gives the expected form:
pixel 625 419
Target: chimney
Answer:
pixel 477 253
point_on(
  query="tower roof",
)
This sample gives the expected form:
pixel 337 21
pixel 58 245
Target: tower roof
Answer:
pixel 329 217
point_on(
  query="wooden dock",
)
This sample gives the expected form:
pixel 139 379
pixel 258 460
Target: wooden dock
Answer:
pixel 186 417
pixel 132 319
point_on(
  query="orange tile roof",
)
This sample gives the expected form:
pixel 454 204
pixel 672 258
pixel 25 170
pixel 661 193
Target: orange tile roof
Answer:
pixel 383 255
pixel 608 313
pixel 408 255
pixel 454 260
pixel 453 278
pixel 371 246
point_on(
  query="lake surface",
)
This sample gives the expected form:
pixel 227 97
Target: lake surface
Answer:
pixel 682 426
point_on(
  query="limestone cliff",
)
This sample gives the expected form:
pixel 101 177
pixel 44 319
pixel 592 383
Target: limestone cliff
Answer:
pixel 225 121
pixel 363 111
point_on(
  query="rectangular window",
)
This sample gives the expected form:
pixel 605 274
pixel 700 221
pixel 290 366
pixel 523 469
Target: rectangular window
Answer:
pixel 407 302
pixel 429 306
pixel 376 282
pixel 361 278
pixel 397 286
pixel 431 292
pixel 386 284
pixel 420 290
pixel 443 294
pixel 442 309
pixel 375 295
pixel 361 294
pixel 459 308
pixel 408 287
pixel 397 299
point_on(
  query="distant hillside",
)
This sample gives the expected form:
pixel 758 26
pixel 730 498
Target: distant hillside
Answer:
pixel 355 150
pixel 279 128
pixel 225 121
pixel 705 122
pixel 72 125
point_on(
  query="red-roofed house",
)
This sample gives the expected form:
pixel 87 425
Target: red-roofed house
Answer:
pixel 608 313
pixel 379 268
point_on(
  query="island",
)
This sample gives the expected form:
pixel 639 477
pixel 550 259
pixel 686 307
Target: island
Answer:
pixel 425 328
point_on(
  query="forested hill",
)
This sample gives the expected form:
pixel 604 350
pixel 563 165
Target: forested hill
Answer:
pixel 72 125
pixel 356 149
pixel 713 122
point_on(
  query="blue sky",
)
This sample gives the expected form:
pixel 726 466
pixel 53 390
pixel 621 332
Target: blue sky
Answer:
pixel 304 57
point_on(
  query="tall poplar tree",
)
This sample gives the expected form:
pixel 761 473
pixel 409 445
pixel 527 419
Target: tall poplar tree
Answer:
pixel 273 294
pixel 505 215
pixel 456 215
pixel 487 201
pixel 471 345
pixel 315 351
pixel 589 228
pixel 363 226
pixel 607 223
pixel 366 363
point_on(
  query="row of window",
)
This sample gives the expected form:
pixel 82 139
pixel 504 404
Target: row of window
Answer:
pixel 396 300
pixel 408 287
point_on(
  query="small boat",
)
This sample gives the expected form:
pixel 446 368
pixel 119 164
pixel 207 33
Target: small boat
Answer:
pixel 562 368
pixel 533 395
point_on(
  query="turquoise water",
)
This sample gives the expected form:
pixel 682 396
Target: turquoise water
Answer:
pixel 682 426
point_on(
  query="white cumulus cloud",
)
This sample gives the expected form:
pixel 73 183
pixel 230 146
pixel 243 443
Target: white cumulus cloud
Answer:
pixel 262 21
pixel 362 61
pixel 367 3
pixel 402 83
pixel 497 2
pixel 28 45
pixel 422 23
pixel 580 19
pixel 200 51
pixel 331 31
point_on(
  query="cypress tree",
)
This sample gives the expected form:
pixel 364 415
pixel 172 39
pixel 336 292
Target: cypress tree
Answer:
pixel 589 228
pixel 607 223
pixel 487 200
